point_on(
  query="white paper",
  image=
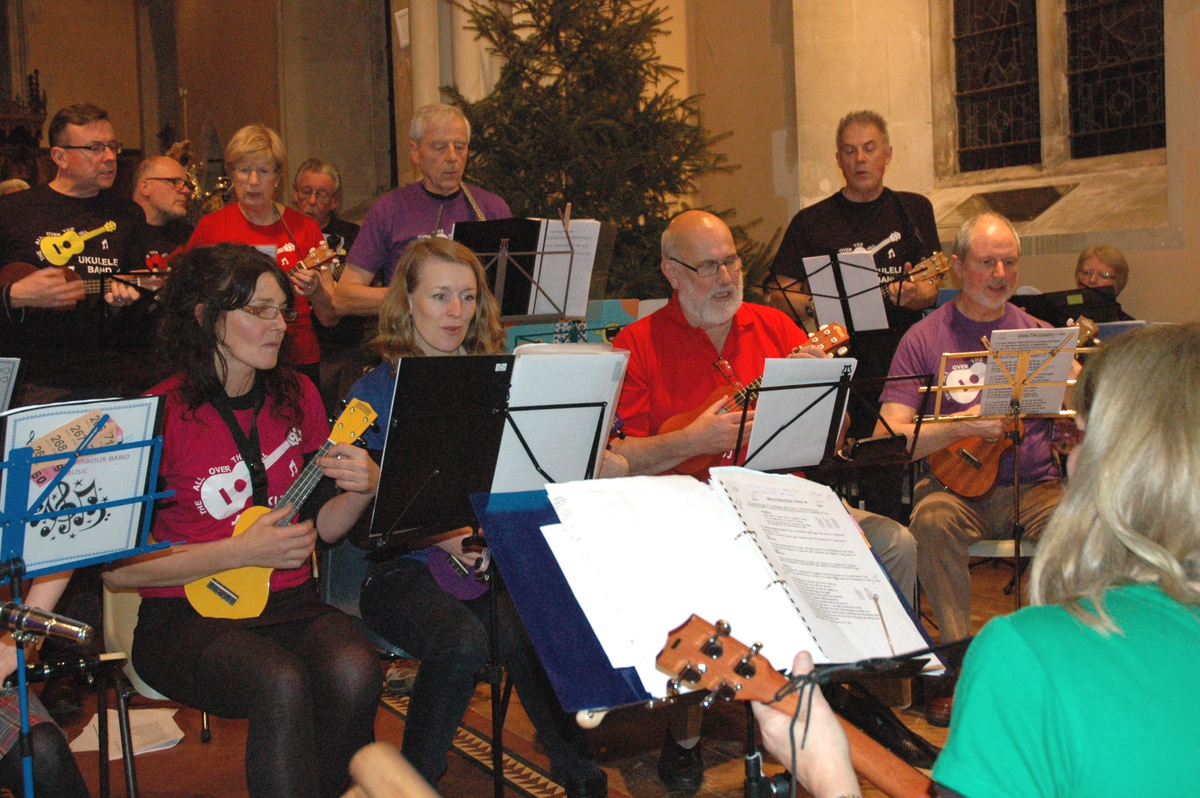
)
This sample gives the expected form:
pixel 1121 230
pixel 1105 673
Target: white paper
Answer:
pixel 861 282
pixel 551 270
pixel 1037 398
pixel 8 380
pixel 802 442
pixel 150 729
pixel 674 549
pixel 53 543
pixel 814 545
pixel 561 439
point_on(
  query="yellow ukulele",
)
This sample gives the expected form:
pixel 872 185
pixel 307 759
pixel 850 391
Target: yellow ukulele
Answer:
pixel 60 249
pixel 243 592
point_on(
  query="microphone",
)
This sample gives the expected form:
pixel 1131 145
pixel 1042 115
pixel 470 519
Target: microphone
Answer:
pixel 24 618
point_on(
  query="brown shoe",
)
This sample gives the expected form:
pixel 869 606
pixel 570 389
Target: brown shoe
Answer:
pixel 938 711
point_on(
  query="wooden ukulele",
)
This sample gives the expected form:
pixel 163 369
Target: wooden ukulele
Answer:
pixel 143 281
pixel 830 337
pixel 61 248
pixel 970 466
pixel 701 655
pixel 243 592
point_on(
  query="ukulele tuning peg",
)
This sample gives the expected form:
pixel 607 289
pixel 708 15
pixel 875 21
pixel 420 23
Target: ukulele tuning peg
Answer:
pixel 745 668
pixel 713 648
pixel 723 628
pixel 725 692
pixel 691 674
pixel 672 688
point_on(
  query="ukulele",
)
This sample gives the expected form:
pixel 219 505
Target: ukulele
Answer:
pixel 61 248
pixel 321 257
pixel 243 592
pixel 970 466
pixel 830 337
pixel 142 280
pixel 464 582
pixel 701 655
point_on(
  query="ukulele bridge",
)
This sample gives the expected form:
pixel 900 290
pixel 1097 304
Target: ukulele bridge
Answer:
pixel 971 459
pixel 222 592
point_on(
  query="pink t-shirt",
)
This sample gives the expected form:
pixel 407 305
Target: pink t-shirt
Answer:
pixel 201 463
pixel 288 240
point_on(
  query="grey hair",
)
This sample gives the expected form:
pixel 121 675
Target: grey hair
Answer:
pixel 430 114
pixel 1111 257
pixel 1130 513
pixel 862 118
pixel 319 167
pixel 966 234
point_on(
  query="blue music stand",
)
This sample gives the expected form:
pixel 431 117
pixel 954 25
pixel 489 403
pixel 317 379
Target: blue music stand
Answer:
pixel 18 513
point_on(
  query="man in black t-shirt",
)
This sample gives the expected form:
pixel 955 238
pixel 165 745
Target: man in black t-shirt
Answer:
pixel 317 193
pixel 55 323
pixel 161 186
pixel 900 229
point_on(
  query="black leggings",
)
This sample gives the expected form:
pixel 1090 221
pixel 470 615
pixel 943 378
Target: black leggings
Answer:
pixel 54 769
pixel 298 682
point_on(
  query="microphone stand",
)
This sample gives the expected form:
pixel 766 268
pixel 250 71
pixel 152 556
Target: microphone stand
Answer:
pixel 14 569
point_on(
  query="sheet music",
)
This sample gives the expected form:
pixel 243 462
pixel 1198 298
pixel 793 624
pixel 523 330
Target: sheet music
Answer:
pixel 862 288
pixel 1037 398
pixel 802 443
pixel 814 545
pixel 92 480
pixel 8 380
pixel 561 439
pixel 551 270
pixel 679 550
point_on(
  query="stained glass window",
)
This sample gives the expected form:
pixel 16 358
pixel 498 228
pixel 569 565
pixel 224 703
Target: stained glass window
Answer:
pixel 996 75
pixel 1115 76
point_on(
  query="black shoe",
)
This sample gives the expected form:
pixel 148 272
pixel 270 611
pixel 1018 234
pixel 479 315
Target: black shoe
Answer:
pixel 858 706
pixel 591 787
pixel 681 769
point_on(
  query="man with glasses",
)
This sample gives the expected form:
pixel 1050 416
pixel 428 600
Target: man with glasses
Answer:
pixel 679 355
pixel 900 229
pixel 78 222
pixel 161 186
pixel 317 193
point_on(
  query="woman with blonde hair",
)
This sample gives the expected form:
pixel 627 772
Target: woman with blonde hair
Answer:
pixel 255 158
pixel 439 305
pixel 1090 693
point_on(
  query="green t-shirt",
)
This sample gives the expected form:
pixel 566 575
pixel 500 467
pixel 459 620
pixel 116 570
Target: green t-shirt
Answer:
pixel 1047 706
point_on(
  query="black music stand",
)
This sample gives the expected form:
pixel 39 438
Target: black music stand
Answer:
pixel 55 508
pixel 840 267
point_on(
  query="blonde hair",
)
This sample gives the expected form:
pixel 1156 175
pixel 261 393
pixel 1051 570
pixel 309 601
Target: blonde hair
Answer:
pixel 397 335
pixel 1131 510
pixel 252 141
pixel 1111 257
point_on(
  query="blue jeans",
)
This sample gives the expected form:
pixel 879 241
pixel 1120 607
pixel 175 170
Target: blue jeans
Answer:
pixel 403 604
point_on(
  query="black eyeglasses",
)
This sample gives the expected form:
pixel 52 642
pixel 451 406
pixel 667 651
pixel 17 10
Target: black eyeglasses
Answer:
pixel 96 147
pixel 269 312
pixel 177 183
pixel 709 268
pixel 321 194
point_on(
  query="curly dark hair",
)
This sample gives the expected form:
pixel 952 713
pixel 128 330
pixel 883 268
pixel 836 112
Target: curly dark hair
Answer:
pixel 206 283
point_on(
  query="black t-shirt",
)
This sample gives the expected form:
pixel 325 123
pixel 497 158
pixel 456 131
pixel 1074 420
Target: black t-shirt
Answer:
pixel 160 241
pixel 32 224
pixel 837 225
pixel 349 332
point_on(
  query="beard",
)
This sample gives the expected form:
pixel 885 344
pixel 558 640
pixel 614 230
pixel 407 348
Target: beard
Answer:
pixel 713 306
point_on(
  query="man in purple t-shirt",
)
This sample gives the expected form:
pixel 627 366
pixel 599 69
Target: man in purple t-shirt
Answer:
pixel 985 259
pixel 440 137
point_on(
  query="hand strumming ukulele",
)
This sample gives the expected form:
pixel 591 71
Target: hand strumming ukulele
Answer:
pixel 831 337
pixel 701 655
pixel 243 592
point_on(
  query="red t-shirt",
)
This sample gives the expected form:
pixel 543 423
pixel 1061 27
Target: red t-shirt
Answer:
pixel 288 240
pixel 672 364
pixel 201 463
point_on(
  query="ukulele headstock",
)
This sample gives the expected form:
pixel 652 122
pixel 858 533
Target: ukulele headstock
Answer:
pixel 704 656
pixel 355 420
pixel 932 269
pixel 830 337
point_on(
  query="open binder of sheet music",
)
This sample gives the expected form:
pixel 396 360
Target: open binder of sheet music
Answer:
pixel 777 556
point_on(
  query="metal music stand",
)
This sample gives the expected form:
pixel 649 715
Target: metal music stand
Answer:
pixel 1017 381
pixel 19 513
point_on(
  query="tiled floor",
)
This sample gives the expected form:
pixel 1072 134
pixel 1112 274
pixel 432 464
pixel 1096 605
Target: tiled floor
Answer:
pixel 626 743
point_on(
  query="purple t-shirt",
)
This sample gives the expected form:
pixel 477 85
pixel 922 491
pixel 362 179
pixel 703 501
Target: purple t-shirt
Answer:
pixel 948 330
pixel 405 214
